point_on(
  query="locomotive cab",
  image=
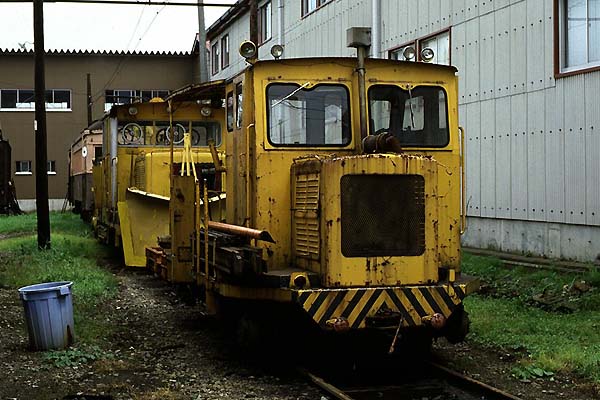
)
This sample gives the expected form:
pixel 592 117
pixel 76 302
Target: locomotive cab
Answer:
pixel 344 198
pixel 359 240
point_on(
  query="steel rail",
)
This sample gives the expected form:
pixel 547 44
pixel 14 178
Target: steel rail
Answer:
pixel 457 380
pixel 329 388
pixel 489 390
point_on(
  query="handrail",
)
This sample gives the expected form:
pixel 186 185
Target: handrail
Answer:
pixel 463 183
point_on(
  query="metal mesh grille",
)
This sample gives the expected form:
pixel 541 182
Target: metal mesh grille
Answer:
pixel 383 215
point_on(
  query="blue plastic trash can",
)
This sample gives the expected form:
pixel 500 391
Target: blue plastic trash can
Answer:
pixel 49 315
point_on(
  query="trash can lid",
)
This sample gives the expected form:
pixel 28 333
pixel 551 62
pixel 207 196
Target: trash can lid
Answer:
pixel 45 287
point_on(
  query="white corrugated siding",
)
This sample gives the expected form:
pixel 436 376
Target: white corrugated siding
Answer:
pixel 533 142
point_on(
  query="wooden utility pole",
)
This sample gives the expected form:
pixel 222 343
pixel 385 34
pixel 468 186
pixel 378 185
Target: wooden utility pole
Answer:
pixel 203 71
pixel 254 21
pixel 41 158
pixel 89 99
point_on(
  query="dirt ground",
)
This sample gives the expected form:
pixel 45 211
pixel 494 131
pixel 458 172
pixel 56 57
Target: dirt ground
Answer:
pixel 161 349
pixel 164 349
pixel 494 367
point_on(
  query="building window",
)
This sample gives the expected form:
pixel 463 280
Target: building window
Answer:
pixel 225 51
pixel 264 23
pixel 126 96
pixel 58 100
pixel 438 42
pixel 24 100
pixel 215 58
pixel 309 6
pixel 51 167
pixel 23 167
pixel 579 30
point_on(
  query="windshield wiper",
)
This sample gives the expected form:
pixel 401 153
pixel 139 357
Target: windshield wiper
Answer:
pixel 291 94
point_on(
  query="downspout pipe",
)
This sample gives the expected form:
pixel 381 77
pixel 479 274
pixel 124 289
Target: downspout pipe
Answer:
pixel 376 29
pixel 113 161
pixel 281 29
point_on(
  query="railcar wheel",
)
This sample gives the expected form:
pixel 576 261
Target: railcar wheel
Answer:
pixel 248 332
pixel 457 326
pixel 415 342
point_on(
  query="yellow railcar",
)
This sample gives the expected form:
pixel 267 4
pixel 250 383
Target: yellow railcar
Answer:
pixel 344 197
pixel 141 142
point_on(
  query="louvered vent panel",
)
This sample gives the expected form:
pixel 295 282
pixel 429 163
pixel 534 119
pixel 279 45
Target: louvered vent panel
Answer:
pixel 139 172
pixel 306 216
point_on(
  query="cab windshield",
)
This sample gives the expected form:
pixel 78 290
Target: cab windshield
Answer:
pixel 302 116
pixel 417 117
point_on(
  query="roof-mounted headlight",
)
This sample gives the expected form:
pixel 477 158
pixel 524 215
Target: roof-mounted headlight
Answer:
pixel 409 53
pixel 206 111
pixel 248 49
pixel 427 54
pixel 277 51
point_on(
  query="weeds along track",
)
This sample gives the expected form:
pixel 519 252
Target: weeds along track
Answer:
pixel 424 380
pixel 510 260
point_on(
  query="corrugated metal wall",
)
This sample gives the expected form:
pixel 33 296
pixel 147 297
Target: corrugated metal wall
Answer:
pixel 533 142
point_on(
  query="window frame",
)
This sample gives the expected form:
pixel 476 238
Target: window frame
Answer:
pixel 238 106
pixel 229 111
pixel 20 171
pixel 48 92
pixel 215 58
pixel 133 95
pixel 304 11
pixel 418 146
pixel 51 167
pixel 264 35
pixel 560 46
pixel 224 54
pixel 417 45
pixel 305 145
pixel 157 125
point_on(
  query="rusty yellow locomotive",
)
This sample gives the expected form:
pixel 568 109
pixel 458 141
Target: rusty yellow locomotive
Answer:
pixel 140 143
pixel 345 202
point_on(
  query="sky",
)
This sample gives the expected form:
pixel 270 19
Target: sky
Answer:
pixel 106 27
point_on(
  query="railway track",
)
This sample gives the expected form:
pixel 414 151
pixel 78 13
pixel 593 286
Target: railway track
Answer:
pixel 515 260
pixel 429 381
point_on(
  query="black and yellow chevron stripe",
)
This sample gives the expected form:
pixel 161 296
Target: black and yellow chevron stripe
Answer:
pixel 356 304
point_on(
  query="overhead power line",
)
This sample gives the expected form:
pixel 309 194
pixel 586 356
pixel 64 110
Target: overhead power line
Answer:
pixel 127 2
pixel 121 63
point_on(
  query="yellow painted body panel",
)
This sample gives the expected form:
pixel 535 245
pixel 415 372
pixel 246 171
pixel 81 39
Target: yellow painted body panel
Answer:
pixel 141 220
pixel 377 271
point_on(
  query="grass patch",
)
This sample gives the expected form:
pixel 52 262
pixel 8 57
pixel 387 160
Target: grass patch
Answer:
pixel 73 257
pixel 76 356
pixel 524 283
pixel 66 223
pixel 553 341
